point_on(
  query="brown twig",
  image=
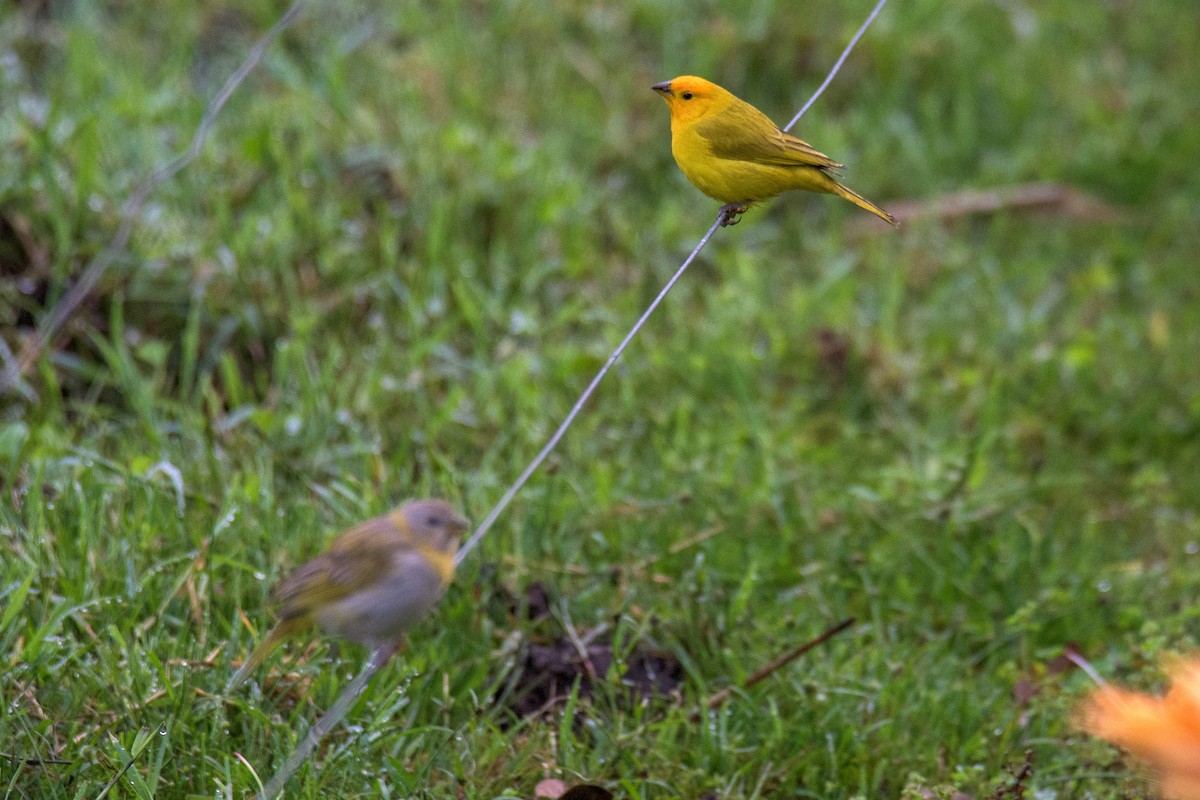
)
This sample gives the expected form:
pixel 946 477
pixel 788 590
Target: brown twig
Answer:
pixel 717 699
pixel 1042 198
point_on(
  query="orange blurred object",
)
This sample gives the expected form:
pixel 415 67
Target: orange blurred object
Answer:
pixel 1165 731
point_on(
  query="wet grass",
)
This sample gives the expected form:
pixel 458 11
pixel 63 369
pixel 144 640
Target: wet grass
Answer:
pixel 416 234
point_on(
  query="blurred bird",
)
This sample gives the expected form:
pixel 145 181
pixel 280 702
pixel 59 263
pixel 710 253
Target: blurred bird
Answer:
pixel 1165 731
pixel 374 582
pixel 734 153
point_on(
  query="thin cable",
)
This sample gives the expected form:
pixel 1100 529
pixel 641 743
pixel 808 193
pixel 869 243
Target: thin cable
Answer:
pixel 66 307
pixel 583 398
pixel 379 657
pixel 521 480
pixel 838 65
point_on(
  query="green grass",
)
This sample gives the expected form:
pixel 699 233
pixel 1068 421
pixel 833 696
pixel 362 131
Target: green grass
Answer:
pixel 417 232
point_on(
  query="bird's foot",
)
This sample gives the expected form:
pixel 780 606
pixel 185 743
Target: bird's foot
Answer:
pixel 730 213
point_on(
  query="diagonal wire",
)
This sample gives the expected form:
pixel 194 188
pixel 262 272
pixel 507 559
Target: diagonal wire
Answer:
pixel 508 495
pixel 13 373
pixel 486 525
pixel 379 656
pixel 837 64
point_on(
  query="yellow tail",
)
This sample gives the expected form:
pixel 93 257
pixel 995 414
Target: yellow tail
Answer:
pixel 863 203
pixel 277 635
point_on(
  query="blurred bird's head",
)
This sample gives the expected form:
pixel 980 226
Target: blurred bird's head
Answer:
pixel 432 523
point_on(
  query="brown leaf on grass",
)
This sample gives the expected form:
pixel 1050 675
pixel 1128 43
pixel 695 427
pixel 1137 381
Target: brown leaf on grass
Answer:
pixel 1164 731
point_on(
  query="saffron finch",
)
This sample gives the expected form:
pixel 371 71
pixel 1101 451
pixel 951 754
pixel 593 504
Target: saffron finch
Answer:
pixel 734 153
pixel 374 582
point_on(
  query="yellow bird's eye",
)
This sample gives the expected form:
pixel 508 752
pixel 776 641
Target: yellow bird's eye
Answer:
pixel 686 95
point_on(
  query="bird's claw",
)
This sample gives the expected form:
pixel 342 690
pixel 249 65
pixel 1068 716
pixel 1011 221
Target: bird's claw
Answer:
pixel 730 213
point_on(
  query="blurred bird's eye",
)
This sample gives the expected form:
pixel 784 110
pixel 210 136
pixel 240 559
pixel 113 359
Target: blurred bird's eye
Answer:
pixel 433 522
pixel 686 95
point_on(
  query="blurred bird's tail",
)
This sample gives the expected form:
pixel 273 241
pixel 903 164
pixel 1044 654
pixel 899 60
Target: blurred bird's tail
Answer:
pixel 250 664
pixel 863 203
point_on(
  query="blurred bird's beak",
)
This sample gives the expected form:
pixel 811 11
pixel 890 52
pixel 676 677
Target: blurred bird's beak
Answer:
pixel 662 88
pixel 461 522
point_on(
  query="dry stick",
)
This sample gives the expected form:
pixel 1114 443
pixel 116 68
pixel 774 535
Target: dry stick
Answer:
pixel 69 304
pixel 717 699
pixel 356 687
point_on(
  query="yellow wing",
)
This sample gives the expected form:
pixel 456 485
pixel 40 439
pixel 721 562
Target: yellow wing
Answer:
pixel 740 132
pixel 359 557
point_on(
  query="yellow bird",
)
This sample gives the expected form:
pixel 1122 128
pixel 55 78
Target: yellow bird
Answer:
pixel 374 582
pixel 734 153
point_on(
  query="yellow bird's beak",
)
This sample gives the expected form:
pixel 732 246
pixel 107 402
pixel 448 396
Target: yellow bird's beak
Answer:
pixel 663 88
